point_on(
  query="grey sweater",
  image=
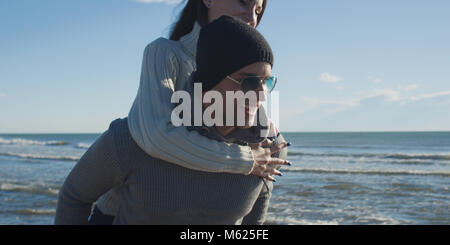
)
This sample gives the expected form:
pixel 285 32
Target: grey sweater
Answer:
pixel 153 191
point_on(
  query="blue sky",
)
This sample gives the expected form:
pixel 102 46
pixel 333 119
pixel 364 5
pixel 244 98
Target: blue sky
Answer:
pixel 348 65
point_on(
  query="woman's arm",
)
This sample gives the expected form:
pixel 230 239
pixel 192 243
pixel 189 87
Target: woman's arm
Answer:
pixel 151 127
pixel 95 173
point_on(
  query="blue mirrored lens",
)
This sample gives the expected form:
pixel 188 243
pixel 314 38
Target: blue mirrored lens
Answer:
pixel 270 83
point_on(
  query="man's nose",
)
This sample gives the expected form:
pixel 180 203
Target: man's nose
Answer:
pixel 250 17
pixel 261 92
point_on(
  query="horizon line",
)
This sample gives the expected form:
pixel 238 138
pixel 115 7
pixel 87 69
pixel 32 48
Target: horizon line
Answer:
pixel 374 131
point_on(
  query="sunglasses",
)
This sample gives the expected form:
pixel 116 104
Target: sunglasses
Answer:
pixel 252 83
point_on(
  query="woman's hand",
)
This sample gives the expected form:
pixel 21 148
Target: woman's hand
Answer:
pixel 265 165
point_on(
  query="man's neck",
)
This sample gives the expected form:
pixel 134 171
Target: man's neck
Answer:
pixel 225 130
pixel 222 130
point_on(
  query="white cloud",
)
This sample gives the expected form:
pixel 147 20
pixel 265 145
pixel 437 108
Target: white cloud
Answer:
pixel 332 112
pixel 411 87
pixel 308 104
pixel 429 96
pixel 389 94
pixel 2 94
pixel 159 1
pixel 317 101
pixel 398 95
pixel 329 78
pixel 375 79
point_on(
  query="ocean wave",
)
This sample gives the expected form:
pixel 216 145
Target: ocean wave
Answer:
pixel 40 157
pixel 275 220
pixel 344 186
pixel 399 156
pixel 336 146
pixel 379 220
pixel 31 188
pixel 20 141
pixel 83 146
pixel 32 211
pixel 369 172
pixel 419 156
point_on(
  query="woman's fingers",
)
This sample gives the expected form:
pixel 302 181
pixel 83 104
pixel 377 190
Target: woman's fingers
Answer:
pixel 278 147
pixel 265 165
pixel 269 177
pixel 263 170
pixel 266 170
pixel 278 161
pixel 266 143
pixel 272 171
pixel 276 172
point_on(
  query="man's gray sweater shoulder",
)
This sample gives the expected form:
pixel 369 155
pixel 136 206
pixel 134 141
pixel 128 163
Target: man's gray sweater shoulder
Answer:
pixel 157 192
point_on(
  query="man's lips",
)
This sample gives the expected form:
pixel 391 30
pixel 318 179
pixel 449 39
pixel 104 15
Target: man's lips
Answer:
pixel 253 110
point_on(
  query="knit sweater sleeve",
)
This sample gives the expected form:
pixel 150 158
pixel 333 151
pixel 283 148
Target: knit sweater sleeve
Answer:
pixel 94 174
pixel 150 120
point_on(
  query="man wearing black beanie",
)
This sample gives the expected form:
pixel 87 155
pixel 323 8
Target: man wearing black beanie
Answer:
pixel 225 46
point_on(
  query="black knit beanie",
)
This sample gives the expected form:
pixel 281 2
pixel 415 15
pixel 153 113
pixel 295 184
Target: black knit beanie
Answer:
pixel 225 46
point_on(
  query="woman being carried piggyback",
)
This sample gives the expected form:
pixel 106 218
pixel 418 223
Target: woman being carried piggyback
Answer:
pixel 154 191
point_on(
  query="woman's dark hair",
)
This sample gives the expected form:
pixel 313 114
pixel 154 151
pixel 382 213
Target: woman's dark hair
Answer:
pixel 195 10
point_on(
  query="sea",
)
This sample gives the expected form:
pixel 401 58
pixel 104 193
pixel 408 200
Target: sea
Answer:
pixel 367 178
